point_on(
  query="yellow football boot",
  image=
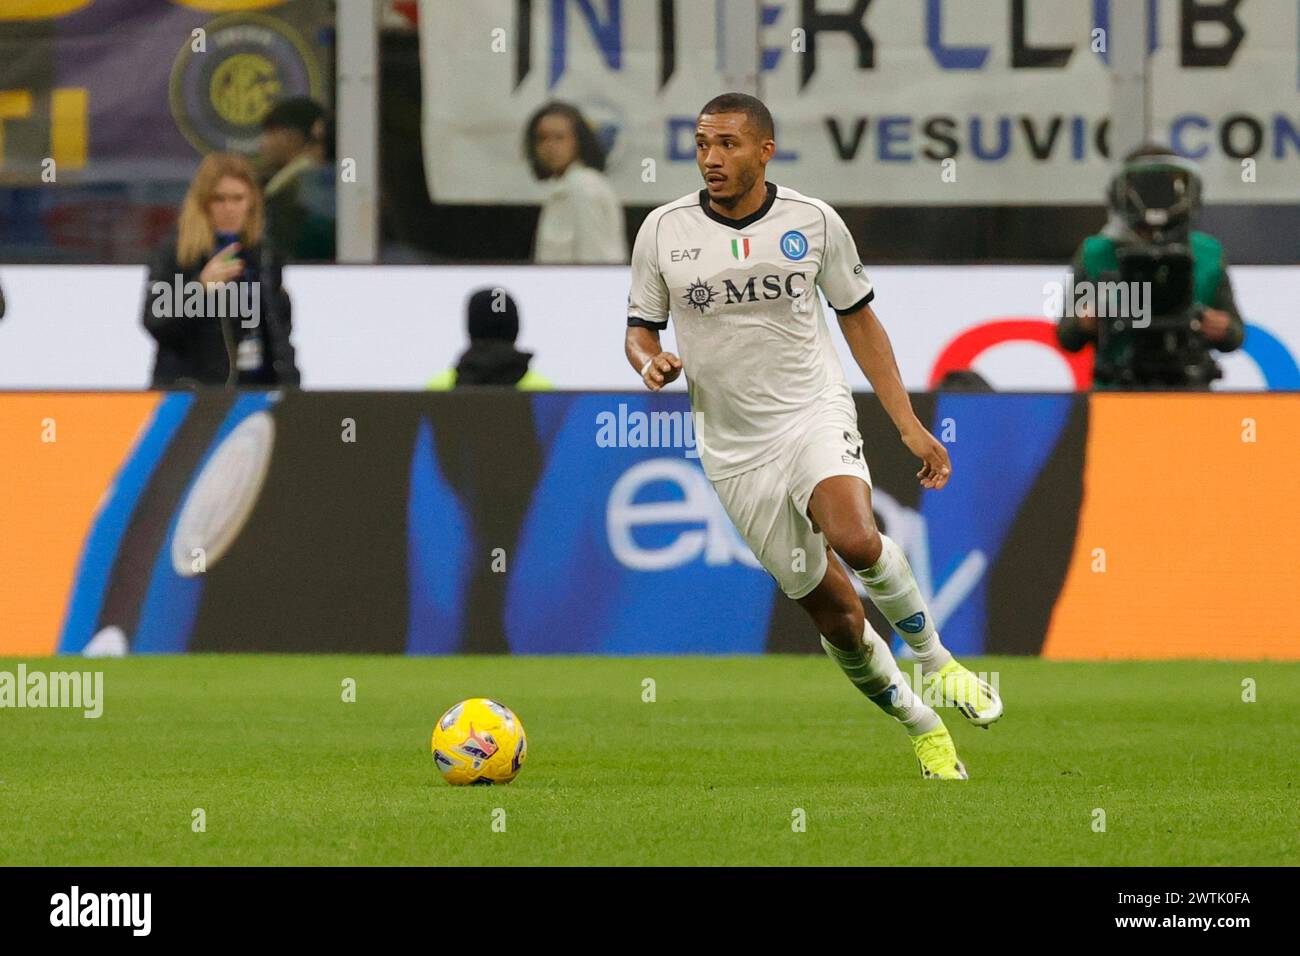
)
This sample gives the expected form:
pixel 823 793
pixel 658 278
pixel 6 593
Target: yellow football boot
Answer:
pixel 974 698
pixel 937 755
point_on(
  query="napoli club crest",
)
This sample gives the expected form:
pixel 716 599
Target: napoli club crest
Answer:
pixel 794 245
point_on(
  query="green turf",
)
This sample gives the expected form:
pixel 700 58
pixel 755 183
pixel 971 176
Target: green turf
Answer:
pixel 709 773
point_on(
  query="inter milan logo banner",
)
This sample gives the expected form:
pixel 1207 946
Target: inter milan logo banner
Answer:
pixel 127 90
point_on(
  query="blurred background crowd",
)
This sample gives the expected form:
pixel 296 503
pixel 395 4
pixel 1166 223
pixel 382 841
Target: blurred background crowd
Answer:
pixel 108 109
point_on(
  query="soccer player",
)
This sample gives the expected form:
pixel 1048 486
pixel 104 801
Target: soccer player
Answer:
pixel 737 265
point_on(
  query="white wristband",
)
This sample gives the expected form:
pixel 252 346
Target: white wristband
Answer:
pixel 646 367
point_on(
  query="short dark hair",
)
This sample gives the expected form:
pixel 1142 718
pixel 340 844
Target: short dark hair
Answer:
pixel 590 152
pixel 754 109
pixel 297 113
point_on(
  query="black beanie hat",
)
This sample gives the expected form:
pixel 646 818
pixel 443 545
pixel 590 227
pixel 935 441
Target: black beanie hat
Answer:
pixel 493 315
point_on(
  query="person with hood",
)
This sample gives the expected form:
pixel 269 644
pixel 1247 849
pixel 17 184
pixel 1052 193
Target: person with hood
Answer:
pixel 491 359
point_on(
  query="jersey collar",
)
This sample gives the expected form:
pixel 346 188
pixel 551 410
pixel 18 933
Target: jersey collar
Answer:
pixel 749 220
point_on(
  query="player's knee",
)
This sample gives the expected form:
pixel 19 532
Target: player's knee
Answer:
pixel 859 548
pixel 842 627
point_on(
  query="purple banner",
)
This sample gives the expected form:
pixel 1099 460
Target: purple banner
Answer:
pixel 139 90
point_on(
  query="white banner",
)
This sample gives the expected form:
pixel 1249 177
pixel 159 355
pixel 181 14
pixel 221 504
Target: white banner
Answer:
pixel 875 101
pixel 394 327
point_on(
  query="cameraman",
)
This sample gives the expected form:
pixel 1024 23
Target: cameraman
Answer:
pixel 1153 200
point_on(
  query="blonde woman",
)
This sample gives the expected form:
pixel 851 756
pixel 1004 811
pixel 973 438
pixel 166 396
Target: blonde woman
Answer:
pixel 214 302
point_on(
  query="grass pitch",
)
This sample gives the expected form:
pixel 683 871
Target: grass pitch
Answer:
pixel 711 772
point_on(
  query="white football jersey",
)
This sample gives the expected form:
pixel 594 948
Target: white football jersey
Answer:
pixel 755 347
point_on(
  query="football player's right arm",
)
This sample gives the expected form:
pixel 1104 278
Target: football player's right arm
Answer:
pixel 656 366
pixel 647 314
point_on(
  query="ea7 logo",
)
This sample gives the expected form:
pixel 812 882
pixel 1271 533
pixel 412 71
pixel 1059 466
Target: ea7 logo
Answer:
pixel 681 255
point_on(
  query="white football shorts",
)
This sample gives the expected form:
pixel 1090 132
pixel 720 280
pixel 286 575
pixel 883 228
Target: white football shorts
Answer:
pixel 769 504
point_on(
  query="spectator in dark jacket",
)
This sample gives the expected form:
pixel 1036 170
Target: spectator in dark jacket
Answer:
pixel 295 154
pixel 215 302
pixel 491 359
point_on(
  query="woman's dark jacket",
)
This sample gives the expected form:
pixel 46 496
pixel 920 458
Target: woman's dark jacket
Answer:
pixel 203 349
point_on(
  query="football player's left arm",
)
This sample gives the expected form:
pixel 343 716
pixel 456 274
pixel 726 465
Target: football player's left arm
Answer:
pixel 870 346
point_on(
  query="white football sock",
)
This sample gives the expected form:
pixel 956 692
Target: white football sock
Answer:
pixel 893 589
pixel 873 671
